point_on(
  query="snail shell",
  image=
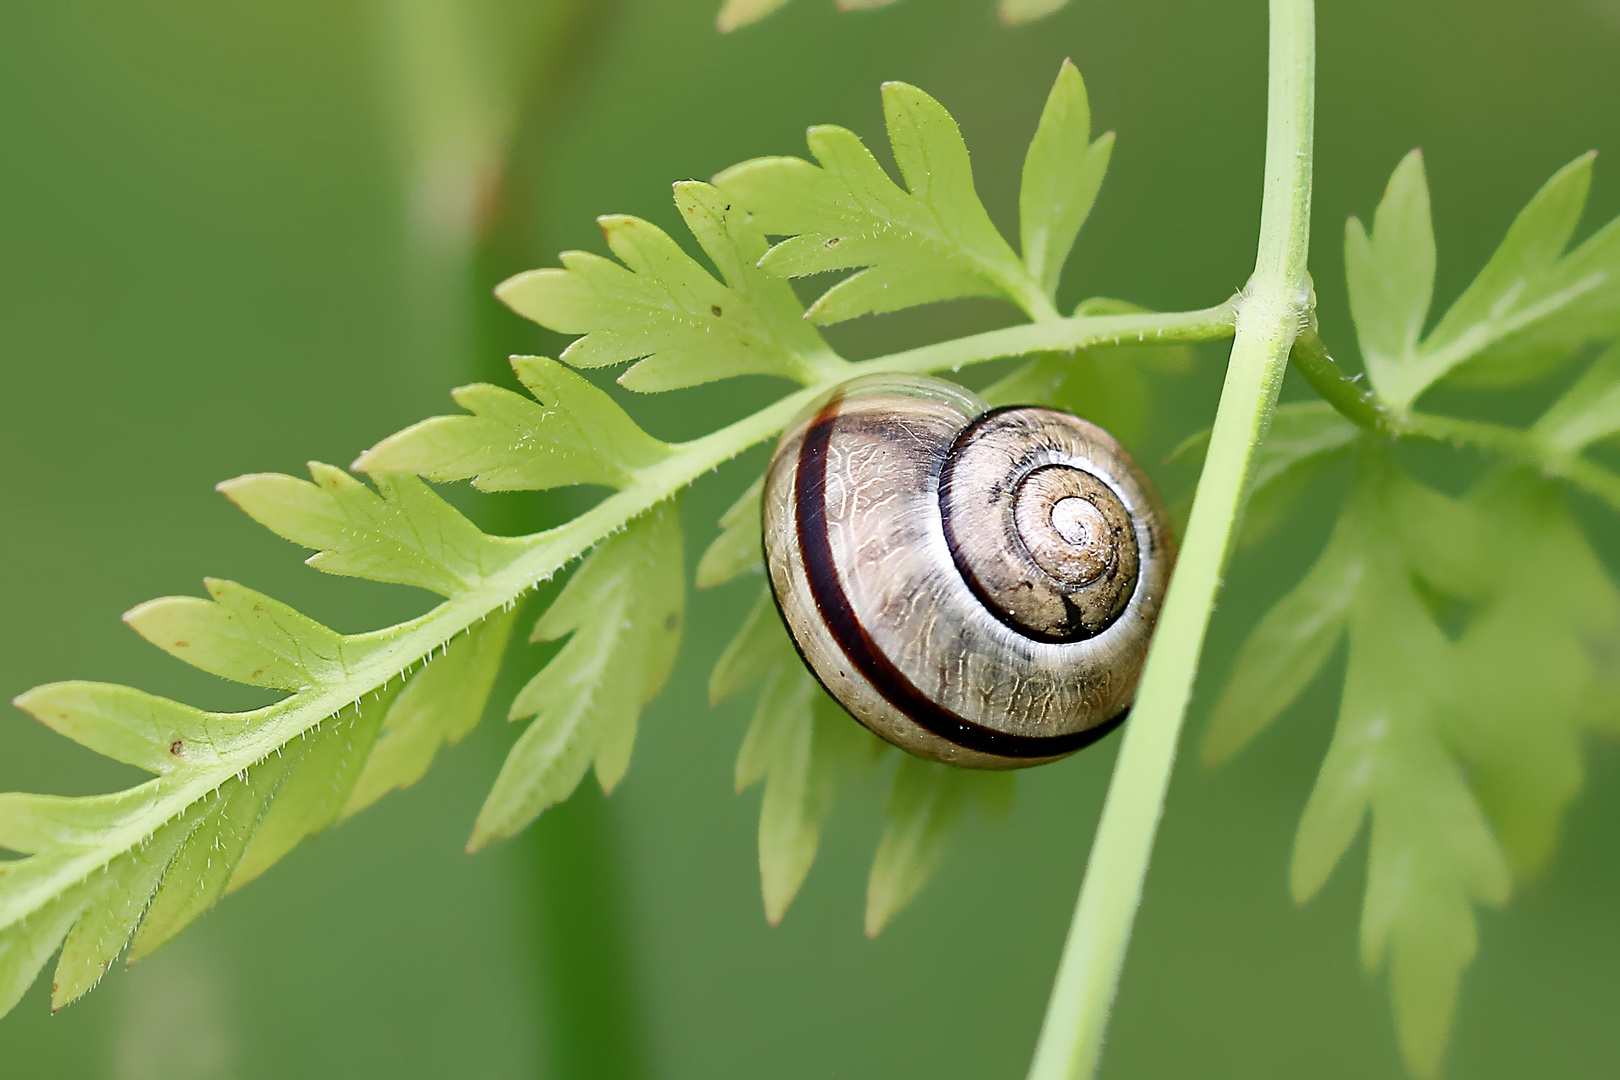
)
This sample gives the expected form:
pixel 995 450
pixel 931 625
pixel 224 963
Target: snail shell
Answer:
pixel 975 585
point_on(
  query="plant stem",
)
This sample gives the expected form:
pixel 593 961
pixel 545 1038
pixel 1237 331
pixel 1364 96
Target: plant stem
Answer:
pixel 1271 313
pixel 1310 358
pixel 1075 332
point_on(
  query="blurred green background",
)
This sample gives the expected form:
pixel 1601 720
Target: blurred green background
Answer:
pixel 235 236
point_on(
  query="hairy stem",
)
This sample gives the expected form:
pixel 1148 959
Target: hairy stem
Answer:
pixel 1078 332
pixel 1271 313
pixel 1310 358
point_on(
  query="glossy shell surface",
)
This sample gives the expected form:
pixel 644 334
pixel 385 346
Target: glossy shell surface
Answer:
pixel 976 586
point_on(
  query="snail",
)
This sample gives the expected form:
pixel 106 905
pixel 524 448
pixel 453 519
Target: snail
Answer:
pixel 975 585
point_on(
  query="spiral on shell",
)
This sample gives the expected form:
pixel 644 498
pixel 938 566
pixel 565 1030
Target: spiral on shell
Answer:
pixel 978 586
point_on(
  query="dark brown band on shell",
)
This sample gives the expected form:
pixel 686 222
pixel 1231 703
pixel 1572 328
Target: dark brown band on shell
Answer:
pixel 833 606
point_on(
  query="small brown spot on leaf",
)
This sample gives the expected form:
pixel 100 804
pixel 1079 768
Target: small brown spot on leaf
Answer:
pixel 182 644
pixel 833 241
pixel 177 747
pixel 715 310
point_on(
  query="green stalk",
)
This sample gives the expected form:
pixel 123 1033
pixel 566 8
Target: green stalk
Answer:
pixel 1310 358
pixel 1271 313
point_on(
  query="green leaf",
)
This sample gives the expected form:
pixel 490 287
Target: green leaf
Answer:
pixel 204 863
pixel 1390 275
pixel 441 702
pixel 1589 412
pixel 1533 244
pixel 1305 438
pixel 146 893
pixel 1433 854
pixel 1107 384
pixel 1530 308
pixel 569 433
pixel 739 549
pixel 799 743
pixel 1063 172
pixel 621 613
pixel 25 946
pixel 151 733
pixel 925 803
pixel 235 791
pixel 246 636
pixel 1103 385
pixel 1286 650
pixel 1462 750
pixel 760 645
pixel 401 533
pixel 783 748
pixel 1529 697
pixel 932 241
pixel 104 928
pixel 320 781
pixel 1300 432
pixel 663 309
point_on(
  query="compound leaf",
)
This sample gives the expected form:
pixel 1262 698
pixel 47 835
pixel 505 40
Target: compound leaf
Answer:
pixel 132 726
pixel 1533 244
pixel 402 532
pixel 1286 650
pixel 931 241
pixel 926 800
pixel 1529 698
pixel 1390 274
pixel 1463 747
pixel 798 743
pixel 1063 171
pixel 245 636
pixel 738 550
pixel 1589 412
pixel 234 792
pixel 664 310
pixel 1433 854
pixel 570 432
pixel 1530 308
pixel 440 704
pixel 1107 384
pixel 621 613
